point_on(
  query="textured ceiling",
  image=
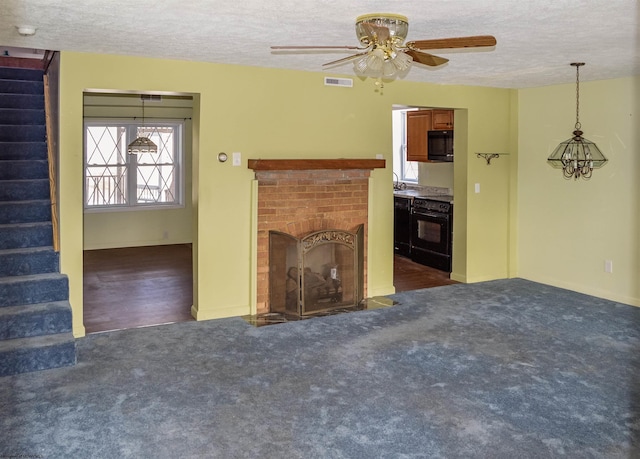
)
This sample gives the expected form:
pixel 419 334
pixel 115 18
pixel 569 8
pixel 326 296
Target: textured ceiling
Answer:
pixel 537 39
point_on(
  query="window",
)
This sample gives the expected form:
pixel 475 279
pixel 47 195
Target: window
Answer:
pixel 115 179
pixel 407 171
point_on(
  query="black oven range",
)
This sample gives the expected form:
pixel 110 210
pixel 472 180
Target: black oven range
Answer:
pixel 431 231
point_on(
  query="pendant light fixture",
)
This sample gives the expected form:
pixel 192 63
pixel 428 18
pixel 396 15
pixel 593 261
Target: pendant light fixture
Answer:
pixel 577 157
pixel 142 144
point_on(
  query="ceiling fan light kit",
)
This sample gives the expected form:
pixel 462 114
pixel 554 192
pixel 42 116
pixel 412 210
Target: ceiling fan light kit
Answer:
pixel 383 53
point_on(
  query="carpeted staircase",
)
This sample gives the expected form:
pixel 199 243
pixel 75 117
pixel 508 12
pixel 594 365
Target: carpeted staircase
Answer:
pixel 35 314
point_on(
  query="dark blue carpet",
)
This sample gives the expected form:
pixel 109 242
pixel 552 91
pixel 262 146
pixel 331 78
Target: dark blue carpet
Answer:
pixel 35 314
pixel 502 369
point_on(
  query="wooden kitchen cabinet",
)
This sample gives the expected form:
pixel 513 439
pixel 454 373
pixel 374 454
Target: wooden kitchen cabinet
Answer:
pixel 442 120
pixel 418 124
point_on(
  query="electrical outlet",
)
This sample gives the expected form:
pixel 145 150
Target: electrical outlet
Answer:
pixel 165 234
pixel 237 158
pixel 608 266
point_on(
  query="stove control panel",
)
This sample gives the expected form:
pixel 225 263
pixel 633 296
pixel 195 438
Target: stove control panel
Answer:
pixel 431 205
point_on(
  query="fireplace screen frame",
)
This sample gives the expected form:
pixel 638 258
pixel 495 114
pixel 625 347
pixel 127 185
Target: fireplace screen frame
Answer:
pixel 296 288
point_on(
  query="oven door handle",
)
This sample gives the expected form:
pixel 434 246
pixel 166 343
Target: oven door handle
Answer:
pixel 431 215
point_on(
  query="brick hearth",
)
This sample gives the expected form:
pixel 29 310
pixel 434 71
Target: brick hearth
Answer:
pixel 299 201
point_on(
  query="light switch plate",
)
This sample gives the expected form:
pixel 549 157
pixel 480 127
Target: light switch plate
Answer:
pixel 477 188
pixel 237 158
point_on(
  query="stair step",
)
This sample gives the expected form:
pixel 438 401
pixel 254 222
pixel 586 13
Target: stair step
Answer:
pixel 35 314
pixel 35 101
pixel 22 235
pixel 18 190
pixel 27 261
pixel 23 150
pixel 25 211
pixel 37 353
pixel 9 86
pixel 22 116
pixel 35 320
pixel 22 133
pixel 35 288
pixel 14 73
pixel 17 169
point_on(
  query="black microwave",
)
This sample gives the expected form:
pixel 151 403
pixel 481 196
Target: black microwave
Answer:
pixel 440 145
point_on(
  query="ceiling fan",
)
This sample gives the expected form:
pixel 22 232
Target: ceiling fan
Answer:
pixel 382 51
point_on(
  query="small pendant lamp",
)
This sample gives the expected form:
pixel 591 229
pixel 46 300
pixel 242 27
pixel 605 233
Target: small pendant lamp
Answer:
pixel 577 157
pixel 142 144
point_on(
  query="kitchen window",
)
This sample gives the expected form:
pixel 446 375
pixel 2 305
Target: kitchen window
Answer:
pixel 407 171
pixel 115 179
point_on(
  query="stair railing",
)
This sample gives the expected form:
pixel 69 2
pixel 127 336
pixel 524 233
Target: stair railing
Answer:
pixel 52 165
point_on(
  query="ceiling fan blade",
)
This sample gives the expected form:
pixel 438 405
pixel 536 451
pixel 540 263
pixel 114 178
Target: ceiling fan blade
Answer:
pixel 426 58
pixel 315 47
pixel 456 42
pixel 380 33
pixel 345 59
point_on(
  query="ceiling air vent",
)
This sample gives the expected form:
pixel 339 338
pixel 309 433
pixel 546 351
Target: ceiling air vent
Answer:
pixel 344 82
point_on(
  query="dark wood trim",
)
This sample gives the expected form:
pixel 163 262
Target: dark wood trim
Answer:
pixel 314 164
pixel 22 62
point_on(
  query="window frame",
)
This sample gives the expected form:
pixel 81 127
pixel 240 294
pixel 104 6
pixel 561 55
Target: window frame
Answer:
pixel 131 164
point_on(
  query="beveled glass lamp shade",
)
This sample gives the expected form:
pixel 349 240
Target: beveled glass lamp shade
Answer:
pixel 142 145
pixel 577 157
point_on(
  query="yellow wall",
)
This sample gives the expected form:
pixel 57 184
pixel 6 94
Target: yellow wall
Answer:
pixel 568 228
pixel 270 113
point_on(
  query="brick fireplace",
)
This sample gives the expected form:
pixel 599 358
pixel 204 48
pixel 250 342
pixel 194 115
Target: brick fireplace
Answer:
pixel 298 197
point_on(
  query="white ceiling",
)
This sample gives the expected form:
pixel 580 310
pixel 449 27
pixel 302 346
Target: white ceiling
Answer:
pixel 537 39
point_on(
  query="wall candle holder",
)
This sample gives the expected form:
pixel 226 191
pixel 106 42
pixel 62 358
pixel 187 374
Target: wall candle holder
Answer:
pixel 488 156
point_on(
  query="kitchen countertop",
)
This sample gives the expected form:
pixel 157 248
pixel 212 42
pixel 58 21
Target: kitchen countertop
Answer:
pixel 407 193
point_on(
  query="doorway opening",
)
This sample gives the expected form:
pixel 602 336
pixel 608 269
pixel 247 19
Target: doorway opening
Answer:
pixel 137 226
pixel 415 175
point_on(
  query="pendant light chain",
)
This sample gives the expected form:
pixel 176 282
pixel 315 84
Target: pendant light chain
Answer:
pixel 578 125
pixel 577 65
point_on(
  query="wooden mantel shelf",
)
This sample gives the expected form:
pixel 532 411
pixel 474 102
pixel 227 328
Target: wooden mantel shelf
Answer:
pixel 314 164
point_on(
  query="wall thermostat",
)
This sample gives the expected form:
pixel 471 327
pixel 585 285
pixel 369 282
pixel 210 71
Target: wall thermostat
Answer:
pixel 222 157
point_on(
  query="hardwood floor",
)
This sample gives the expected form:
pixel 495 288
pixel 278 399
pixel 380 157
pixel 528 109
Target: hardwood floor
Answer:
pixel 142 286
pixel 137 286
pixel 409 275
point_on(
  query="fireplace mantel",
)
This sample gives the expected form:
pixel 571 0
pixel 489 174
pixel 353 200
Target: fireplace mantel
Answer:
pixel 314 164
